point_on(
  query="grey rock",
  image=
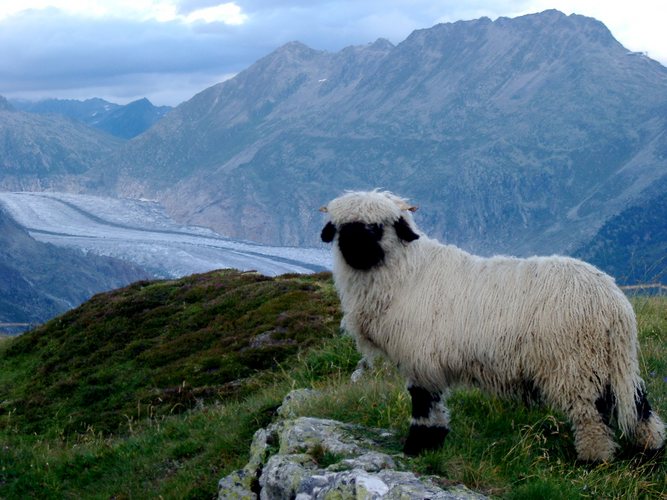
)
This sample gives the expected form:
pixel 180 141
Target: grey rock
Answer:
pixel 370 462
pixel 306 458
pixel 236 486
pixel 283 475
pixel 292 400
pixel 306 434
pixel 387 484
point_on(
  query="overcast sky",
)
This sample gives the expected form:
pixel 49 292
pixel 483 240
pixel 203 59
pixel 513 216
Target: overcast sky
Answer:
pixel 168 50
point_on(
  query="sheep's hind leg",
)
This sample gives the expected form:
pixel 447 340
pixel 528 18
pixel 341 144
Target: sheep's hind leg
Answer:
pixel 649 434
pixel 430 421
pixel 593 436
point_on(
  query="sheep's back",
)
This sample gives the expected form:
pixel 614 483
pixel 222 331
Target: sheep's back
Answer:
pixel 504 319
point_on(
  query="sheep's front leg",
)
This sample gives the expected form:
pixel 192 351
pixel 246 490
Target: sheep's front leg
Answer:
pixel 430 421
pixel 363 366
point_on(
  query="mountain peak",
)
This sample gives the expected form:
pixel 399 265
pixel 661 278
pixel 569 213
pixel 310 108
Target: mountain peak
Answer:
pixel 555 20
pixel 296 48
pixel 142 103
pixel 382 44
pixel 490 117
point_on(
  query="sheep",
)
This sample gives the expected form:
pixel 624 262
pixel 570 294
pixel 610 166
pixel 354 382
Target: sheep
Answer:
pixel 552 329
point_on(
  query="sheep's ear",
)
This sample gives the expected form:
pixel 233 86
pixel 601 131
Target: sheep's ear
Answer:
pixel 328 233
pixel 404 231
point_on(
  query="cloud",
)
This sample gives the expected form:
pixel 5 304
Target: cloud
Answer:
pixel 143 10
pixel 228 13
pixel 48 50
pixel 172 49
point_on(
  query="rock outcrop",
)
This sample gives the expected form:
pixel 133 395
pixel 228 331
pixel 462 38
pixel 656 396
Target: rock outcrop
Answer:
pixel 306 458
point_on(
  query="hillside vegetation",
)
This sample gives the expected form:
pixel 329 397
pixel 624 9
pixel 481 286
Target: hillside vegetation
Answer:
pixel 156 390
pixel 163 345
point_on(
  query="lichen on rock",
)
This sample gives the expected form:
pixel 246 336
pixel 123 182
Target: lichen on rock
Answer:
pixel 307 458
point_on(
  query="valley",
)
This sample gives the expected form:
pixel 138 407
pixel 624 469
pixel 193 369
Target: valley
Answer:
pixel 540 134
pixel 140 232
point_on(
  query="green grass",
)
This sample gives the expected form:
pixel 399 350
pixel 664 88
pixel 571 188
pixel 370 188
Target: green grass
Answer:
pixel 96 404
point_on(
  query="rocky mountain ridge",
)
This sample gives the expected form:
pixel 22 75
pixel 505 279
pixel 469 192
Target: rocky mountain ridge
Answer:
pixel 38 152
pixel 516 135
pixel 123 121
pixel 632 245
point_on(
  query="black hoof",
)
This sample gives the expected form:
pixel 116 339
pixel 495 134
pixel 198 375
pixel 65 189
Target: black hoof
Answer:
pixel 639 456
pixel 424 438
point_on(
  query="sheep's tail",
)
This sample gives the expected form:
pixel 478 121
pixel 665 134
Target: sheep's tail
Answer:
pixel 634 415
pixel 624 378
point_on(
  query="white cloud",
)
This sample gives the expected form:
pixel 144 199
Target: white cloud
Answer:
pixel 135 10
pixel 228 13
pixel 176 48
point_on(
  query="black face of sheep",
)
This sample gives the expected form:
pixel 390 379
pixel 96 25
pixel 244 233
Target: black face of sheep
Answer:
pixel 360 243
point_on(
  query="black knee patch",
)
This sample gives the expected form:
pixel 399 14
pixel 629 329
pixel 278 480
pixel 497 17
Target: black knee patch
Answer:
pixel 424 435
pixel 642 404
pixel 530 392
pixel 605 404
pixel 423 438
pixel 422 401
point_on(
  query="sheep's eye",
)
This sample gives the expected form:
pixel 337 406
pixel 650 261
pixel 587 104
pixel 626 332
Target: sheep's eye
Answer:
pixel 376 230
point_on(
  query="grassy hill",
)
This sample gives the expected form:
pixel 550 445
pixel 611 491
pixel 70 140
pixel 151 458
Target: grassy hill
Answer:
pixel 156 390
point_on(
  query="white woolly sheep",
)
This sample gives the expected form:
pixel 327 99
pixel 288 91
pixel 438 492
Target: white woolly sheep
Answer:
pixel 549 328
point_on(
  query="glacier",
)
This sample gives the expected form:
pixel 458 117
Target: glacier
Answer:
pixel 141 232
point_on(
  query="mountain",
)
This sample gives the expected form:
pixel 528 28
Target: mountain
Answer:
pixel 124 121
pixel 39 280
pixel 632 245
pixel 39 151
pixel 88 111
pixel 5 105
pixel 131 119
pixel 518 135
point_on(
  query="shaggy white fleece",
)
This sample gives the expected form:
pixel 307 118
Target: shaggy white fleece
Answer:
pixel 552 325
